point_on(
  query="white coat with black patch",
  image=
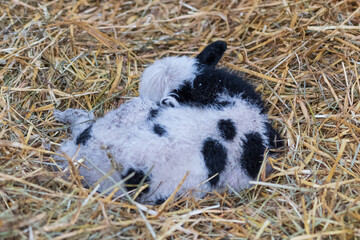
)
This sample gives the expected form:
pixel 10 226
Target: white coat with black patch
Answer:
pixel 190 118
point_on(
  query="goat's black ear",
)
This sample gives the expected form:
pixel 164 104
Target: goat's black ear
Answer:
pixel 212 54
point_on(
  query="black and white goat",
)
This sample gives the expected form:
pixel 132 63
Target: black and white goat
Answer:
pixel 190 117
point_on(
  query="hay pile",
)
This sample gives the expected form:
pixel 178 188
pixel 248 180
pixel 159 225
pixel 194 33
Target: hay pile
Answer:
pixel 303 56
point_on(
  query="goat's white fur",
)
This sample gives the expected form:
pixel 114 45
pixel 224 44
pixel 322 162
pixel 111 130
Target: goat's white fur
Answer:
pixel 165 75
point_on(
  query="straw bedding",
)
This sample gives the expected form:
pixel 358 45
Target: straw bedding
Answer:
pixel 303 56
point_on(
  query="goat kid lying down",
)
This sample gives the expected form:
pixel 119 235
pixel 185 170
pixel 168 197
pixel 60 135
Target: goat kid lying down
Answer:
pixel 190 117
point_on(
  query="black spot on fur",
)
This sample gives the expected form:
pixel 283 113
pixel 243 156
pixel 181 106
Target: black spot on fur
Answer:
pixel 159 130
pixel 227 129
pixel 222 104
pixel 253 154
pixel 84 136
pixel 160 201
pixel 153 113
pixel 212 83
pixel 215 156
pixel 275 140
pixel 135 180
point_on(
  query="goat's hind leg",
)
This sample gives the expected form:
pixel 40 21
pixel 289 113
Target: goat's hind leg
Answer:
pixel 78 119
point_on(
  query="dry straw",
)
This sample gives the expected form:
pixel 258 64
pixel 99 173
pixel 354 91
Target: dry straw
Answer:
pixel 302 55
